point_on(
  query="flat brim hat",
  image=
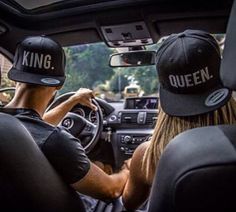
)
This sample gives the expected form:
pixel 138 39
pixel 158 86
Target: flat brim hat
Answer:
pixel 188 67
pixel 26 77
pixel 39 60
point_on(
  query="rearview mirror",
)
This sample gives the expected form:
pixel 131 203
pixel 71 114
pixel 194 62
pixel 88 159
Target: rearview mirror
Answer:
pixel 132 59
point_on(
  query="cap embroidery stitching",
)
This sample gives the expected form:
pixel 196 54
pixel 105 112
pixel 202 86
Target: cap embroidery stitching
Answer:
pixel 190 80
pixel 36 60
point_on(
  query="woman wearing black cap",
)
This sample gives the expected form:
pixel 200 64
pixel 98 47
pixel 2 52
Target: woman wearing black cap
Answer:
pixel 191 95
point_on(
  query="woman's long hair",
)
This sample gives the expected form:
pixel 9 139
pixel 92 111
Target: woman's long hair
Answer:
pixel 167 127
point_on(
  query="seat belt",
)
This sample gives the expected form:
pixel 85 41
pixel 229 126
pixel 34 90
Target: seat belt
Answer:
pixel 228 63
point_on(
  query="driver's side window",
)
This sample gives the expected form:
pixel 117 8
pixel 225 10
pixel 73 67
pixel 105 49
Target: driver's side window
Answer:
pixel 7 85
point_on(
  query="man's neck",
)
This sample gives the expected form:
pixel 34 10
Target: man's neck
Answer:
pixel 26 105
pixel 26 99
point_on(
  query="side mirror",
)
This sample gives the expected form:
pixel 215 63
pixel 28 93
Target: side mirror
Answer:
pixel 133 59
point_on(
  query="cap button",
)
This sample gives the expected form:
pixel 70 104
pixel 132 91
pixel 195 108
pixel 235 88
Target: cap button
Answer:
pixel 181 35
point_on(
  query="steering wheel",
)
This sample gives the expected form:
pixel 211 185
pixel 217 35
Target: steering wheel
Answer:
pixel 9 93
pixel 78 126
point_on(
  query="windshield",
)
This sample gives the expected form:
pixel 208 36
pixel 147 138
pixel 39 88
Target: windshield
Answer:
pixel 87 66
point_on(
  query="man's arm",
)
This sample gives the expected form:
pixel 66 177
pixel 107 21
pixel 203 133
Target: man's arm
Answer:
pixel 83 96
pixel 67 156
pixel 100 185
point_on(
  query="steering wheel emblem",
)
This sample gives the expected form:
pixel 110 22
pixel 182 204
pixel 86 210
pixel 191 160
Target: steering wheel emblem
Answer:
pixel 68 123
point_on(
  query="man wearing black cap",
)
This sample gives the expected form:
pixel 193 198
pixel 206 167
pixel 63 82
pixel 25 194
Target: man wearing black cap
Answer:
pixel 39 70
pixel 33 57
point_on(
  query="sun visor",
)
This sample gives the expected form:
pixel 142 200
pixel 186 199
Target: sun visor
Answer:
pixel 127 35
pixel 228 64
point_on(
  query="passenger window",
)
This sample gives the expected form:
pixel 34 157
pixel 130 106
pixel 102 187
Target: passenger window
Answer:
pixel 7 88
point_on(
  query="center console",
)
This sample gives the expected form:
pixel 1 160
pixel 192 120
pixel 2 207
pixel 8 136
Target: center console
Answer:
pixel 134 124
pixel 127 141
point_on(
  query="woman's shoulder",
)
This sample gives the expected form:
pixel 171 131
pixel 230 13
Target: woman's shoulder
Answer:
pixel 140 150
pixel 137 159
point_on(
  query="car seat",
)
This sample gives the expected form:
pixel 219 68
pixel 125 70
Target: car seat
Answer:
pixel 197 172
pixel 198 168
pixel 27 181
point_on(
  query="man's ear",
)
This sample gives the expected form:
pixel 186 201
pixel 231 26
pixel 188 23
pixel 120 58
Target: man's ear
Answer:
pixel 59 87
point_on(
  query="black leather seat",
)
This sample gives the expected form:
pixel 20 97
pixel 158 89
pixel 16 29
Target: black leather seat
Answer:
pixel 197 172
pixel 27 180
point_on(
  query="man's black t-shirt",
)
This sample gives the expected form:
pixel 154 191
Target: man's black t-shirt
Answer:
pixel 63 151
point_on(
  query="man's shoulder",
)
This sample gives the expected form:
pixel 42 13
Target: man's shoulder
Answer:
pixel 38 128
pixel 63 150
pixel 66 154
pixel 63 134
pixel 26 115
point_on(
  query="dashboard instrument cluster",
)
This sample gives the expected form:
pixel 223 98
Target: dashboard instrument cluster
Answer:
pixel 86 113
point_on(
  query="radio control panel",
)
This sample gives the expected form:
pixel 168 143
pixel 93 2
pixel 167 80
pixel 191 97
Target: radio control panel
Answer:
pixel 128 143
pixel 125 142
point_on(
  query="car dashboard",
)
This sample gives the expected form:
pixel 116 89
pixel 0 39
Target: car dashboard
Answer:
pixel 126 124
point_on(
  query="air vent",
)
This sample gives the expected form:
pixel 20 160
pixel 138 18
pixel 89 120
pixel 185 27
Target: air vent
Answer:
pixel 151 118
pixel 129 118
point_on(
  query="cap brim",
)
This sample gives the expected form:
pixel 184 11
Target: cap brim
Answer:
pixel 26 77
pixel 190 105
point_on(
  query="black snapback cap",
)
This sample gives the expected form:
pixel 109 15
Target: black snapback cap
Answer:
pixel 39 60
pixel 188 66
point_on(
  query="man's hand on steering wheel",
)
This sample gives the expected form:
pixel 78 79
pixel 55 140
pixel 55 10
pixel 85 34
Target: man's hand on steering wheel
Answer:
pixel 84 97
pixel 78 126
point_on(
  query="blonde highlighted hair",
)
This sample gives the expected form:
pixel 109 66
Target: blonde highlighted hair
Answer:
pixel 167 127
